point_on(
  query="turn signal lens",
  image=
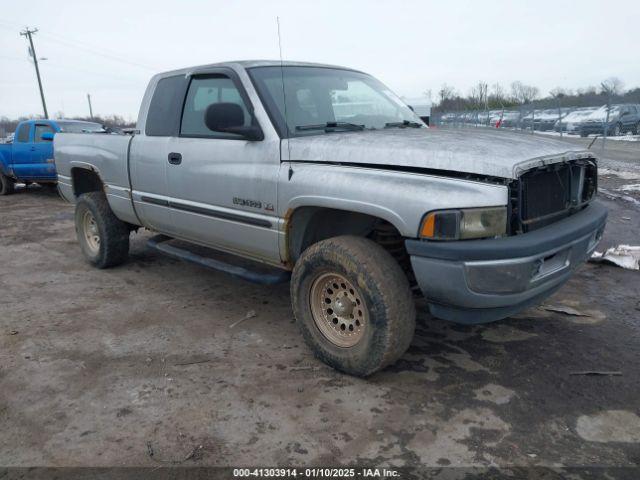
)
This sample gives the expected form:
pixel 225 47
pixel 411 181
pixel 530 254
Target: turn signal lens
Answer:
pixel 465 224
pixel 428 226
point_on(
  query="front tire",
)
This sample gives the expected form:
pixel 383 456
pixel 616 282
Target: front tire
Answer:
pixel 353 304
pixel 103 237
pixel 7 185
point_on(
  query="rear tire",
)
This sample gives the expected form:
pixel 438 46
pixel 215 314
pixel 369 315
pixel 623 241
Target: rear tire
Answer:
pixel 353 304
pixel 103 237
pixel 7 185
pixel 583 134
pixel 636 129
pixel 617 130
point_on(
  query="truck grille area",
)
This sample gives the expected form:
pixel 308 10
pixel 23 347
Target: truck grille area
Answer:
pixel 547 194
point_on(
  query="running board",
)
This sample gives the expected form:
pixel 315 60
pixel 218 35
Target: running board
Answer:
pixel 159 242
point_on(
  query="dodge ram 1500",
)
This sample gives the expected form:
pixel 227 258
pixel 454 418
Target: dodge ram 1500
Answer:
pixel 325 174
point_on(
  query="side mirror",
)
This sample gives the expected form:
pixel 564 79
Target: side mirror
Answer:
pixel 48 136
pixel 228 117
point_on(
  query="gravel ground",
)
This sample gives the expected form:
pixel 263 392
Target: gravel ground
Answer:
pixel 140 365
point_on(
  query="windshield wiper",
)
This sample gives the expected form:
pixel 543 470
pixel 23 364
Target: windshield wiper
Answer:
pixel 331 126
pixel 402 124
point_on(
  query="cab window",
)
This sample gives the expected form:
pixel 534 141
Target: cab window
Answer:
pixel 23 133
pixel 40 129
pixel 204 91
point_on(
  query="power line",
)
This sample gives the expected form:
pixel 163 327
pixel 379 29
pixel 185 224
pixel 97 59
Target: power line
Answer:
pixel 69 42
pixel 75 44
pixel 27 33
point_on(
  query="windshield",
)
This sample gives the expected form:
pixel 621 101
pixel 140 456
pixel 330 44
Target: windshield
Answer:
pixel 80 127
pixel 322 100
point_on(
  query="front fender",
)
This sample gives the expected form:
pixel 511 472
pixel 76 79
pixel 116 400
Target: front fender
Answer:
pixel 401 198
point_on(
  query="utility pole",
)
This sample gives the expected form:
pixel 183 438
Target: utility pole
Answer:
pixel 90 109
pixel 27 34
pixel 605 130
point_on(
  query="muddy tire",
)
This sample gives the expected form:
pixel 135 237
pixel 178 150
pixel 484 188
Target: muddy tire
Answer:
pixel 353 304
pixel 103 238
pixel 7 185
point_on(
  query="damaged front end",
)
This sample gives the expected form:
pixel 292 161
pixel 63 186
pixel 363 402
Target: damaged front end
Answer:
pixel 546 194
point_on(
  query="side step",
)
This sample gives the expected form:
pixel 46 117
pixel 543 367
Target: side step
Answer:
pixel 160 243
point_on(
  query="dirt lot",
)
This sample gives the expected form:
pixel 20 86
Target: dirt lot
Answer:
pixel 140 364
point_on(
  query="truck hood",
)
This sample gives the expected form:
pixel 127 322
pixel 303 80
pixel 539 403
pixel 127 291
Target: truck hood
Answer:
pixel 478 151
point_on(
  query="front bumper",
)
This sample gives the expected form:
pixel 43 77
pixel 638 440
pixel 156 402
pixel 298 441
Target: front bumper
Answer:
pixel 480 281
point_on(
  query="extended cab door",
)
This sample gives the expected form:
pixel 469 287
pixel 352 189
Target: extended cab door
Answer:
pixel 148 153
pixel 222 186
pixel 22 151
pixel 43 165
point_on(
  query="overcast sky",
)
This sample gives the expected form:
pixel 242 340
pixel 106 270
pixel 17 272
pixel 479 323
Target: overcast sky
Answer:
pixel 110 49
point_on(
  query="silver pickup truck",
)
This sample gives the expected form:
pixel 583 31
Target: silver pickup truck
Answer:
pixel 327 177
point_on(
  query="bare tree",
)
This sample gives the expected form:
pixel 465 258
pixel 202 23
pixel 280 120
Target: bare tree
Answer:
pixel 559 92
pixel 478 94
pixel 612 86
pixel 524 93
pixel 446 92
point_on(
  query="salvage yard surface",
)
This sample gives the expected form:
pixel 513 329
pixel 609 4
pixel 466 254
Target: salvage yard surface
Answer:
pixel 163 361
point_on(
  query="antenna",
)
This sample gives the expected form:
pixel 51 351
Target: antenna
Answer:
pixel 284 95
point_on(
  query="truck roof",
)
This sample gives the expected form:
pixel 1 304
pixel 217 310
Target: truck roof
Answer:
pixel 244 64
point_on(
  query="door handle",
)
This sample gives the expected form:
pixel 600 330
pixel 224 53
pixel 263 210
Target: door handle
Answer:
pixel 33 149
pixel 175 158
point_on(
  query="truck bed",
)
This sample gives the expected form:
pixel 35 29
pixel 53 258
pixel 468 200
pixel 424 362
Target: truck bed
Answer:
pixel 6 153
pixel 108 154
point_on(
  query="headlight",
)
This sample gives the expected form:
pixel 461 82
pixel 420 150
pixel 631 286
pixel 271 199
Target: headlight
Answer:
pixel 464 224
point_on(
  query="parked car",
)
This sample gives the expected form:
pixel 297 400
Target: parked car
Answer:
pixel 548 118
pixel 622 119
pixel 251 158
pixel 29 158
pixel 483 118
pixel 494 117
pixel 529 119
pixel 510 119
pixel 572 121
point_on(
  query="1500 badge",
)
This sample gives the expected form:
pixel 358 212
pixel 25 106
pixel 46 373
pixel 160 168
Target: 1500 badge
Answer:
pixel 245 202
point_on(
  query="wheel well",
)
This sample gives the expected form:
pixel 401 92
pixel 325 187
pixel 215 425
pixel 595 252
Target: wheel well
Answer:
pixel 309 225
pixel 85 181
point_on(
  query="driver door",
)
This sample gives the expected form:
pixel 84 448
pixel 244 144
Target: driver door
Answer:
pixel 222 186
pixel 42 153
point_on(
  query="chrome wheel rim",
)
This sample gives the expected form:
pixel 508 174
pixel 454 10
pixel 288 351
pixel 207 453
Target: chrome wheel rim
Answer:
pixel 338 309
pixel 91 232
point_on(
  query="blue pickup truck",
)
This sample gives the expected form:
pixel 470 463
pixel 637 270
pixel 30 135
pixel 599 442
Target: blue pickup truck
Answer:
pixel 29 158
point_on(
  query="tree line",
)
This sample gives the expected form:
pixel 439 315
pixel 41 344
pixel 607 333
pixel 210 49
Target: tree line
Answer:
pixel 483 96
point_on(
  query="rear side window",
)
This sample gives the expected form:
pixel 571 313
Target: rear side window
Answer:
pixel 204 91
pixel 23 133
pixel 40 129
pixel 164 110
